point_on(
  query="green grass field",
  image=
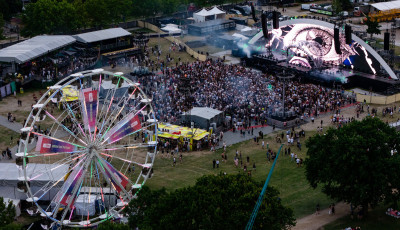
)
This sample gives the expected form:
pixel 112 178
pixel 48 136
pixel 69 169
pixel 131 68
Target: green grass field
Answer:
pixel 5 138
pixel 287 178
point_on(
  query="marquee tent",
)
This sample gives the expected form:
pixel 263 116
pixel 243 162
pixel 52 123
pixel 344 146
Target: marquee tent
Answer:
pixel 212 14
pixel 34 47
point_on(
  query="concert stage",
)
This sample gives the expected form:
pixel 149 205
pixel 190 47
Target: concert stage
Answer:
pixel 326 75
pixel 321 52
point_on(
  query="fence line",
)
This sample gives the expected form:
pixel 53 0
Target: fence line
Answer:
pixel 380 100
pixel 190 51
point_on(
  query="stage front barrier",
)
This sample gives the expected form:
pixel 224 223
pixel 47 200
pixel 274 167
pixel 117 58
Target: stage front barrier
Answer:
pixel 379 100
pixel 190 51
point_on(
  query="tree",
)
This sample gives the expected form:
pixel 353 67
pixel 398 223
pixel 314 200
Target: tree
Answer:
pixel 48 17
pixel 354 163
pixel 1 27
pixel 7 212
pixel 373 26
pixel 214 202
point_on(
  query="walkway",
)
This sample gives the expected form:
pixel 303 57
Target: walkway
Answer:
pixel 231 138
pixel 314 222
pixel 14 126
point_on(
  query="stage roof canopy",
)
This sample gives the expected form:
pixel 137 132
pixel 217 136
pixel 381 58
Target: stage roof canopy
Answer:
pixel 204 112
pixel 383 6
pixel 34 47
pixel 101 35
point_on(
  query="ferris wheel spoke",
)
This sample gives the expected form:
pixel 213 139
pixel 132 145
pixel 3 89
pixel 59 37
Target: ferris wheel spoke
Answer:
pixel 129 124
pixel 115 117
pixel 123 135
pixel 47 187
pixel 107 119
pixel 116 178
pixel 65 128
pixel 126 160
pixel 74 119
pixel 57 164
pixel 71 188
pixel 38 154
pixel 129 146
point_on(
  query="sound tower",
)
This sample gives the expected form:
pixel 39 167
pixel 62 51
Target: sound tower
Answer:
pixel 253 13
pixel 264 25
pixel 386 41
pixel 347 33
pixel 275 19
pixel 337 41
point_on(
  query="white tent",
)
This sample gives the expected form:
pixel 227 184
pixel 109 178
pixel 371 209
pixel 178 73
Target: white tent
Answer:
pixel 204 15
pixel 171 28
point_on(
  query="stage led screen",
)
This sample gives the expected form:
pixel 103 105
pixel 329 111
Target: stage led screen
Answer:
pixel 315 45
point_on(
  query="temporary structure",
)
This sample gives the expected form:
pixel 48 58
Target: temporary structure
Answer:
pixel 172 29
pixel 205 15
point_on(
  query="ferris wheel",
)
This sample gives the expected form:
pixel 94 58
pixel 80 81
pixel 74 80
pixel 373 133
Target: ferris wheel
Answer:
pixel 87 148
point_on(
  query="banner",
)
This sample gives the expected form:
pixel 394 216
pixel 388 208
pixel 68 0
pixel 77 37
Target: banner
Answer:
pixel 89 98
pixel 8 89
pixel 121 179
pixel 3 91
pixel 47 145
pixel 64 196
pixel 124 128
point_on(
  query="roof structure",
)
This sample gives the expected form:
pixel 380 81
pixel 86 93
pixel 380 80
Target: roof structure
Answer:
pixel 210 23
pixel 9 172
pixel 216 10
pixel 101 35
pixel 383 6
pixel 34 47
pixel 204 112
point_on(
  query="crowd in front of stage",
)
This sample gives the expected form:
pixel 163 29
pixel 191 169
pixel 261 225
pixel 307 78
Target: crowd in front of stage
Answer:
pixel 246 96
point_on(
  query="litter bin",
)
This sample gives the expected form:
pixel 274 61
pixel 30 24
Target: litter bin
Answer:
pixel 21 90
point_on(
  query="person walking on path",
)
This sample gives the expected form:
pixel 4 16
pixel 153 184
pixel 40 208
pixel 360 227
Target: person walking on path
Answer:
pixel 317 209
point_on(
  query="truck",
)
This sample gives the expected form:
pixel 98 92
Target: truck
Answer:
pixel 361 10
pixel 305 6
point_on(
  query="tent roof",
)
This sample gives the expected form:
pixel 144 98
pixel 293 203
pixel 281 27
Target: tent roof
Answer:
pixel 215 10
pixel 171 28
pixel 34 47
pixel 382 6
pixel 202 12
pixel 101 35
pixel 205 112
pixel 9 172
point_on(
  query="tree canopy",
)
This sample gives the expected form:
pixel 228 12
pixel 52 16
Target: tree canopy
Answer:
pixel 373 26
pixel 66 16
pixel 214 202
pixel 7 213
pixel 354 163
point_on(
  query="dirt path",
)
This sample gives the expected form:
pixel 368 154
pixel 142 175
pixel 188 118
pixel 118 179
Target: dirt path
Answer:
pixel 314 222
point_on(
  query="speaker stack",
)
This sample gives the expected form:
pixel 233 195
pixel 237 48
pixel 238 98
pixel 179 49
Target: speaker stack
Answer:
pixel 253 13
pixel 386 41
pixel 337 40
pixel 264 25
pixel 347 33
pixel 275 20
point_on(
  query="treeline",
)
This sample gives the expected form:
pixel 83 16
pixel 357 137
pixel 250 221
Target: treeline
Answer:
pixel 68 16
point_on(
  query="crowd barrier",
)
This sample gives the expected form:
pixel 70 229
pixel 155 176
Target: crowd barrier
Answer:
pixel 379 100
pixel 190 51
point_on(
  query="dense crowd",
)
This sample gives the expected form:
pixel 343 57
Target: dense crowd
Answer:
pixel 246 96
